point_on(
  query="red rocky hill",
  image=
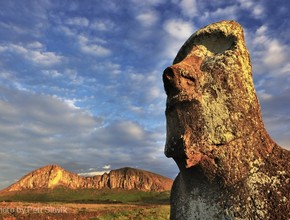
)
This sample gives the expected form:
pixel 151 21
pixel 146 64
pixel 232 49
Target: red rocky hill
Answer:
pixel 51 176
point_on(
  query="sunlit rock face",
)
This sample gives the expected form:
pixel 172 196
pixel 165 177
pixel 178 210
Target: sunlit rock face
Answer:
pixel 229 166
pixel 126 178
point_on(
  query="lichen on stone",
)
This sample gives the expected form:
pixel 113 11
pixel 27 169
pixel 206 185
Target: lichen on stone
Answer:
pixel 216 135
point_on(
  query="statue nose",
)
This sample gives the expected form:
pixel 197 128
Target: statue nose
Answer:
pixel 169 79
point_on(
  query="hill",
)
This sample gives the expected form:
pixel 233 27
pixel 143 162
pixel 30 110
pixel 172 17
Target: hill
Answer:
pixel 52 176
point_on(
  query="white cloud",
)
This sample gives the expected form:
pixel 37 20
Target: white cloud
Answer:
pixel 6 75
pixel 130 129
pixel 151 86
pixel 260 36
pixel 106 167
pixel 136 109
pixel 264 96
pixel 254 7
pixel 14 28
pixel 247 3
pixel 52 73
pixel 96 50
pixel 102 25
pixel 78 21
pixel 268 53
pixel 178 29
pixel 147 3
pixel 286 69
pixel 29 111
pixel 43 58
pixel 71 103
pixel 88 46
pixel 189 8
pixel 112 69
pixel 258 11
pixel 276 119
pixel 67 31
pixel 35 45
pixel 94 173
pixel 2 48
pixel 35 53
pixel 176 33
pixel 275 53
pixel 83 39
pixel 148 18
pixel 154 92
pixel 73 76
pixel 123 137
pixel 228 13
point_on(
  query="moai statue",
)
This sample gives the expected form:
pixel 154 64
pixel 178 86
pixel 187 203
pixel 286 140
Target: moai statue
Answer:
pixel 229 166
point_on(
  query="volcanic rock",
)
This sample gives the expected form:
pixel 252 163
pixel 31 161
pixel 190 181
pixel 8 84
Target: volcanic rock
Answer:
pixel 229 166
pixel 48 177
pixel 130 179
pixel 52 176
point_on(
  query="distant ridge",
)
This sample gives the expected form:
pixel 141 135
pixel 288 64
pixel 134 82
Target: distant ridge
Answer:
pixel 51 176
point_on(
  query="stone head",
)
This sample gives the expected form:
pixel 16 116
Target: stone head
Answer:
pixel 211 99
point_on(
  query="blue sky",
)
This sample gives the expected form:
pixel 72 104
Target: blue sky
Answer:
pixel 81 84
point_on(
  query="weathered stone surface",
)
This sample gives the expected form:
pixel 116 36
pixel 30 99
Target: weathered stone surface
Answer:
pixel 130 178
pixel 51 176
pixel 229 166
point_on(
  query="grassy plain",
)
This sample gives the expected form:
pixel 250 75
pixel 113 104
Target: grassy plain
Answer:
pixel 62 203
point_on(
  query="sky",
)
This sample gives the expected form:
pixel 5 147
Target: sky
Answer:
pixel 81 81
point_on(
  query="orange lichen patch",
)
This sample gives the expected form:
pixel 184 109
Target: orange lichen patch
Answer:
pixel 194 159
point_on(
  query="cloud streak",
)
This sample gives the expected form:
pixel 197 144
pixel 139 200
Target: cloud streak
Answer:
pixel 35 53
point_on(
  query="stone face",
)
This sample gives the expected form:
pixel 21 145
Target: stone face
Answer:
pixel 229 166
pixel 51 176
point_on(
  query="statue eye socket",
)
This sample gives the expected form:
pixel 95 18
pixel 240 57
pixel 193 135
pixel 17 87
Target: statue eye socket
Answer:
pixel 216 42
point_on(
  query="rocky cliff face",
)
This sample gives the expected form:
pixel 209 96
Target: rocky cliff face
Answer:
pixel 129 178
pixel 229 166
pixel 52 176
pixel 48 177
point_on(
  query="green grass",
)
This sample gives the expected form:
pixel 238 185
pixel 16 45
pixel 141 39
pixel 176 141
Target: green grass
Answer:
pixel 65 195
pixel 157 213
pixel 89 204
